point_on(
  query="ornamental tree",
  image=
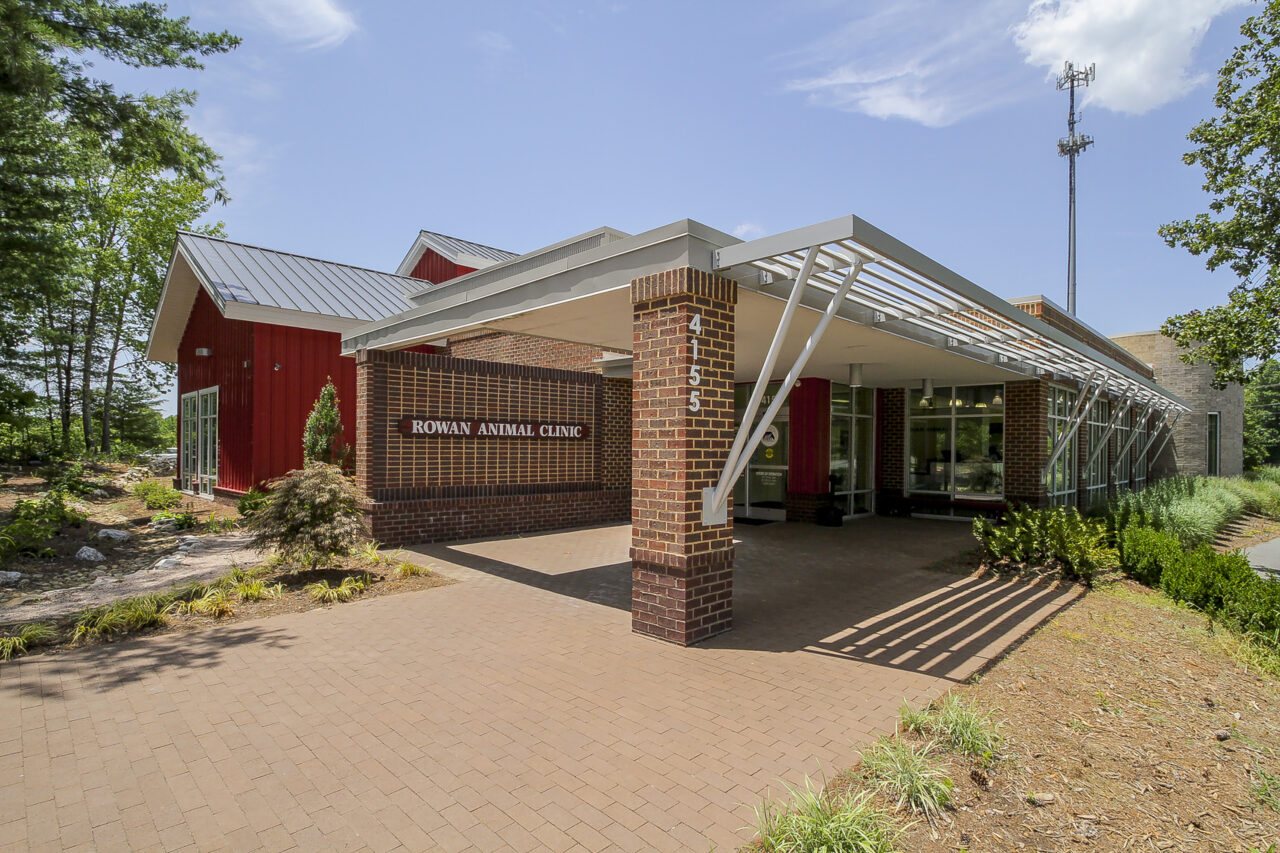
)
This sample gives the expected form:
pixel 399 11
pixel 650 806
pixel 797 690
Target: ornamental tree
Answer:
pixel 322 437
pixel 1239 151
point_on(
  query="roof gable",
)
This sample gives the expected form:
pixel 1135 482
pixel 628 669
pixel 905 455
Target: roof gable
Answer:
pixel 461 252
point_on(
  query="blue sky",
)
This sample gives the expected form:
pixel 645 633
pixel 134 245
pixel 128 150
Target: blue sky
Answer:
pixel 347 127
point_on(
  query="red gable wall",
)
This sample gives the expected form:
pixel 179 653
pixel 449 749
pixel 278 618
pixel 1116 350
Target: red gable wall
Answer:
pixel 436 268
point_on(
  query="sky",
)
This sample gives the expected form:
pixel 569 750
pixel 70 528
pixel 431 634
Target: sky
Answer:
pixel 345 128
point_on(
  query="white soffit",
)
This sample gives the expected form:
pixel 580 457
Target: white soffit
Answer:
pixel 905 293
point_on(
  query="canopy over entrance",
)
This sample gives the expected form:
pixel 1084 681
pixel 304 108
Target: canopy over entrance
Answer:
pixel 904 317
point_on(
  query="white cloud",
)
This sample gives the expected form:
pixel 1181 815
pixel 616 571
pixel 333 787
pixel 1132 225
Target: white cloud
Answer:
pixel 308 23
pixel 495 50
pixel 1144 49
pixel 937 62
pixel 748 231
pixel 244 156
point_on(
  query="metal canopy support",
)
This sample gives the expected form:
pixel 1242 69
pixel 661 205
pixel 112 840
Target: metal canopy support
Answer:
pixel 1168 435
pixel 1155 433
pixel 1126 402
pixel 1078 415
pixel 715 499
pixel 1133 436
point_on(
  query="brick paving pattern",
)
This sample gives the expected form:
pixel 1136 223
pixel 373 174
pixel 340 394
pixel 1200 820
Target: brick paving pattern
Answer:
pixel 512 711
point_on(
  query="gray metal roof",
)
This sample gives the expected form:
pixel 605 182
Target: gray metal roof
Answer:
pixel 455 247
pixel 252 275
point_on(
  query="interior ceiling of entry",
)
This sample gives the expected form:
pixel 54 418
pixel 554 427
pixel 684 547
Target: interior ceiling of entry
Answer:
pixel 604 320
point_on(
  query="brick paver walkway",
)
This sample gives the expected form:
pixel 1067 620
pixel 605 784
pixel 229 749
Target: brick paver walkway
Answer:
pixel 511 711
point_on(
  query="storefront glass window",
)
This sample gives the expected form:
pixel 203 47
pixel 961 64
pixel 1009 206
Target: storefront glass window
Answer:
pixel 956 441
pixel 852 442
pixel 1060 478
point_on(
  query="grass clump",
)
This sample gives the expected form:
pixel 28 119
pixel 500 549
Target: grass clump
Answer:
pixel 958 725
pixel 27 637
pixel 818 822
pixel 123 617
pixel 157 495
pixel 351 586
pixel 908 774
pixel 1266 788
pixel 256 590
pixel 405 569
pixel 215 602
pixel 182 519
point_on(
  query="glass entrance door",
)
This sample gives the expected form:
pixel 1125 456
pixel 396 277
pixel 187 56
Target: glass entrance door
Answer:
pixel 762 491
pixel 199 444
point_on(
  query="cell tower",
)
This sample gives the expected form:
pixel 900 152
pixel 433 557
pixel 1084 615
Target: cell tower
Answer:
pixel 1069 146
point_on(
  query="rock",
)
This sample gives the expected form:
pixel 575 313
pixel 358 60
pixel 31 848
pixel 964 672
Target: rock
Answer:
pixel 90 554
pixel 1222 734
pixel 1042 799
pixel 114 535
pixel 10 577
pixel 99 493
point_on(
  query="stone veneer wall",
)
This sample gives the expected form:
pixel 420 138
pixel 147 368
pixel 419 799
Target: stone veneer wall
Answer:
pixel 1187 451
pixel 433 488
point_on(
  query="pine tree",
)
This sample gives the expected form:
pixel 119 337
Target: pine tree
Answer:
pixel 322 438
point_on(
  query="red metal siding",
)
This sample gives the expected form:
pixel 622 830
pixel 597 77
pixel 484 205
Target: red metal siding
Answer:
pixel 436 268
pixel 232 344
pixel 809 405
pixel 283 397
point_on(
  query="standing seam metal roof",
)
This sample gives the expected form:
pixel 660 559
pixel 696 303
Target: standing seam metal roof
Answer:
pixel 467 247
pixel 252 275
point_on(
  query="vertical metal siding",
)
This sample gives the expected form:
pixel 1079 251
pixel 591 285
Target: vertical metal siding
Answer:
pixel 436 268
pixel 284 397
pixel 232 343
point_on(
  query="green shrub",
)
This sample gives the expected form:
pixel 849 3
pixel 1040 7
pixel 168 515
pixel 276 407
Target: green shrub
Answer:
pixel 250 502
pixel 34 522
pixel 1196 509
pixel 71 477
pixel 1145 552
pixel 157 495
pixel 322 435
pixel 183 520
pixel 311 516
pixel 219 525
pixel 1039 535
pixel 1206 579
pixel 817 822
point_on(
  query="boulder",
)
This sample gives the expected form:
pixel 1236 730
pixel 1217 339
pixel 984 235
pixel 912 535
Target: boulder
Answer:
pixel 114 535
pixel 7 578
pixel 88 554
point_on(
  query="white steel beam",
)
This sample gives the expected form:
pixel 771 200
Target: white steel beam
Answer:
pixel 1133 436
pixel 715 499
pixel 1078 415
pixel 1122 409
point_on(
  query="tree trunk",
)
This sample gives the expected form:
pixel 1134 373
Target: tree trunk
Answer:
pixel 86 366
pixel 109 383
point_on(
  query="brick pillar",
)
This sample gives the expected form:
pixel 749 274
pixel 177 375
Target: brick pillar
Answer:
pixel 1026 441
pixel 682 571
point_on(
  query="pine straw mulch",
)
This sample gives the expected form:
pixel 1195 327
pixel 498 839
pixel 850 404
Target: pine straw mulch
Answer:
pixel 1115 708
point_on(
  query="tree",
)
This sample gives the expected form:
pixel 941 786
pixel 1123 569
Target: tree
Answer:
pixel 1262 417
pixel 1239 151
pixel 322 436
pixel 47 99
pixel 310 516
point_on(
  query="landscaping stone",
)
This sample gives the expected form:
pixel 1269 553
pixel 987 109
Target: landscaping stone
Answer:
pixel 1222 734
pixel 10 577
pixel 90 554
pixel 100 493
pixel 114 535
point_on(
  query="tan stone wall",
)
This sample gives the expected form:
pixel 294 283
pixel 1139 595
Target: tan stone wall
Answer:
pixel 1187 452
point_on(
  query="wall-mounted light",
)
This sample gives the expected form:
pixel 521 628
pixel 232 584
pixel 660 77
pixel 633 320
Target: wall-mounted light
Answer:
pixel 277 367
pixel 855 375
pixel 204 352
pixel 245 363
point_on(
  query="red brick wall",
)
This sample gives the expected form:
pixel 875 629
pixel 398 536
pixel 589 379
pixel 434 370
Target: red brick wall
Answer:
pixel 430 488
pixel 525 349
pixel 682 570
pixel 1026 436
pixel 891 439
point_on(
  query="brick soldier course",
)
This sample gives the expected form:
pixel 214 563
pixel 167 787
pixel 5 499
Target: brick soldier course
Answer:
pixel 682 570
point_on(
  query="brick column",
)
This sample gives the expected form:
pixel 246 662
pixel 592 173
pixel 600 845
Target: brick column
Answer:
pixel 1026 439
pixel 681 570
